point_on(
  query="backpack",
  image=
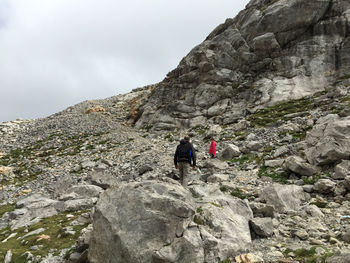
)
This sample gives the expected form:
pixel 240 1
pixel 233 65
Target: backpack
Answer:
pixel 184 152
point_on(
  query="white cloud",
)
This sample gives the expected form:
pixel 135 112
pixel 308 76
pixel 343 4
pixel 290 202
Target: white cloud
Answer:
pixel 59 52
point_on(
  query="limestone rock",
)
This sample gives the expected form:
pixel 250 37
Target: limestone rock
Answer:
pixel 297 165
pixel 324 186
pixel 8 257
pixel 329 140
pixel 339 257
pixel 342 170
pixel 215 164
pixel 157 215
pixel 85 191
pixel 263 227
pixel 104 179
pixel 213 131
pixel 346 236
pixel 347 183
pixel 284 197
pixel 229 152
pixel 31 209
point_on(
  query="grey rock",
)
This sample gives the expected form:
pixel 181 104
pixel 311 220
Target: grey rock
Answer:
pixel 157 213
pixel 8 257
pixel 144 169
pixel 340 257
pixel 161 227
pixel 76 205
pixel 342 170
pixel 85 191
pixel 314 211
pixel 299 166
pixel 32 209
pixel 215 164
pixel 284 197
pixel 229 152
pixel 263 227
pixel 329 140
pixel 274 163
pixel 324 186
pixel 104 179
pixel 214 130
pixel 262 210
pixel 301 233
pixel 217 178
pixel 88 164
pixel 347 183
pixel 309 188
pixel 346 236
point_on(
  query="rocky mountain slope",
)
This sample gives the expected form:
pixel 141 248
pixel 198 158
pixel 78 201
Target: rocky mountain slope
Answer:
pixel 271 85
pixel 270 52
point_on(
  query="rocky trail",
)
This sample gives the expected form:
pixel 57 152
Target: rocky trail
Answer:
pixel 261 197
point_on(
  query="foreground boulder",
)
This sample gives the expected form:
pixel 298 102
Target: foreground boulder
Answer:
pixel 136 222
pixel 159 221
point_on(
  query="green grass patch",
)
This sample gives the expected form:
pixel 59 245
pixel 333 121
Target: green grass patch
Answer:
pixel 266 117
pixel 241 135
pixel 53 229
pixel 200 129
pixel 303 255
pixel 199 210
pixel 239 194
pixel 297 135
pixel 216 205
pixel 319 204
pixel 271 172
pixel 245 159
pixel 7 208
pixel 198 220
pixel 225 261
pixel 312 179
pixel 223 189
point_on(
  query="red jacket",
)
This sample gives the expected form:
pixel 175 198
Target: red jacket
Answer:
pixel 212 149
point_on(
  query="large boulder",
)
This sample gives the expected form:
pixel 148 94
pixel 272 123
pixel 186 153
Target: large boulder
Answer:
pixel 284 198
pixel 229 152
pixel 159 221
pixel 134 222
pixel 299 166
pixel 342 170
pixel 324 186
pixel 329 140
pixel 31 209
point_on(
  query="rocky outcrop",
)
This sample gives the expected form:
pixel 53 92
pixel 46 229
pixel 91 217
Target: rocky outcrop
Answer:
pixel 272 51
pixel 162 224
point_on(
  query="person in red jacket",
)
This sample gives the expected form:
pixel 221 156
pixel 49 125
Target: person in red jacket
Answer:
pixel 212 149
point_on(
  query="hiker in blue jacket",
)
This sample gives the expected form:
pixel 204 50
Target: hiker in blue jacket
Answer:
pixel 182 159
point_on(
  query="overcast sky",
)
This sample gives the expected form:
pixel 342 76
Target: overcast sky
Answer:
pixel 56 53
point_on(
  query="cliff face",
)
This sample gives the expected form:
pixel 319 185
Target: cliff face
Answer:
pixel 270 52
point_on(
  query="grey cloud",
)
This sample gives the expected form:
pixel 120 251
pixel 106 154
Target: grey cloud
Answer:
pixel 57 53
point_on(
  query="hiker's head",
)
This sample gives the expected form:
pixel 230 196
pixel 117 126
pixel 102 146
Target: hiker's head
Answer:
pixel 212 138
pixel 187 138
